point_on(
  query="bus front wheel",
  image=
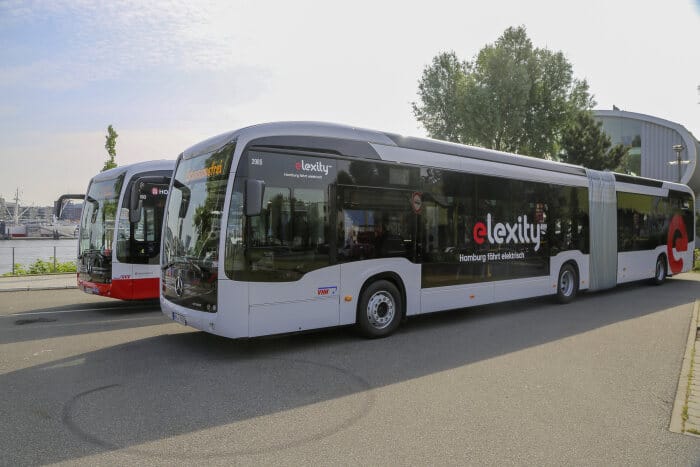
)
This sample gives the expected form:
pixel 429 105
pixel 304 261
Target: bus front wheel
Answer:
pixel 380 310
pixel 567 284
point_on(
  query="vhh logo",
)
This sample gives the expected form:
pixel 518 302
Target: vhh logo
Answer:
pixel 326 291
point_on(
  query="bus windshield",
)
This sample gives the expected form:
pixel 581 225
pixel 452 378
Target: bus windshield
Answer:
pixel 193 222
pixel 99 215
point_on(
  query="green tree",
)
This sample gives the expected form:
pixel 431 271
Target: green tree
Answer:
pixel 110 146
pixel 441 89
pixel 583 142
pixel 510 97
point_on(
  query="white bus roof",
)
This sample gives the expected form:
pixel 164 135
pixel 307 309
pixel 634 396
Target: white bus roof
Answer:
pixel 351 141
pixel 135 168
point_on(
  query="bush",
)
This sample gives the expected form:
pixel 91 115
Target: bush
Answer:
pixel 43 267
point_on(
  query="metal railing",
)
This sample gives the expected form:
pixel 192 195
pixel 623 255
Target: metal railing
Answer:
pixel 28 256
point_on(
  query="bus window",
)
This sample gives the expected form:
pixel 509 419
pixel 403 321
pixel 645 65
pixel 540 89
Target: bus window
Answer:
pixel 375 223
pixel 290 235
pixel 641 221
pixel 139 242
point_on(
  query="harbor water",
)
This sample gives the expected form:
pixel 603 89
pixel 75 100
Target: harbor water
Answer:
pixel 28 251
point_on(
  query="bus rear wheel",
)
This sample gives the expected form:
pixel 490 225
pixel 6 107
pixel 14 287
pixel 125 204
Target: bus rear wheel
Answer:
pixel 567 284
pixel 659 271
pixel 380 310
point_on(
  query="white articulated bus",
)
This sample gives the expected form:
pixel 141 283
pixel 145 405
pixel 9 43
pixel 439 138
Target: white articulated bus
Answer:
pixel 120 228
pixel 284 227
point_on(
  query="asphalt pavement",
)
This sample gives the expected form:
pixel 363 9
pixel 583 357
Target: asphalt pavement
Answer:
pixel 89 380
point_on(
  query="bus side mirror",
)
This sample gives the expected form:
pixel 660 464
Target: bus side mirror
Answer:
pixel 134 198
pixel 254 191
pixel 184 206
pixel 61 203
pixel 57 209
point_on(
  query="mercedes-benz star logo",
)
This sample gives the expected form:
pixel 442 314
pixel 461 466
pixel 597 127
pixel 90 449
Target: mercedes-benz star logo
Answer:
pixel 179 286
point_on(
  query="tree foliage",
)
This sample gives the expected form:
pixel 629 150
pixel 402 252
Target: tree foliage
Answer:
pixel 511 97
pixel 441 89
pixel 583 142
pixel 110 146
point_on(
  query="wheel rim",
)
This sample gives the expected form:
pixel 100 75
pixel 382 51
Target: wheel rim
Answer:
pixel 381 310
pixel 659 270
pixel 566 283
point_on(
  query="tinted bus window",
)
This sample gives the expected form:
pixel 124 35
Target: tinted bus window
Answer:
pixel 139 242
pixel 477 228
pixel 642 221
pixel 291 235
pixel 375 223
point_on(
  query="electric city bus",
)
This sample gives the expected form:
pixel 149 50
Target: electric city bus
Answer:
pixel 120 229
pixel 285 227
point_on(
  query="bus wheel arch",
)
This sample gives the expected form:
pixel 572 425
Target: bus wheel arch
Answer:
pixel 381 306
pixel 660 270
pixel 568 282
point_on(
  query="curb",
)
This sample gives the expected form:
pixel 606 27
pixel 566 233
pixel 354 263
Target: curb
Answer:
pixel 681 419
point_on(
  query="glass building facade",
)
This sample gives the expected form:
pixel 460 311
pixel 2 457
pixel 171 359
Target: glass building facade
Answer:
pixel 627 132
pixel 651 142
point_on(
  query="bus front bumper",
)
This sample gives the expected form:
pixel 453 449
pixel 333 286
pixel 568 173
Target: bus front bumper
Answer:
pixel 187 317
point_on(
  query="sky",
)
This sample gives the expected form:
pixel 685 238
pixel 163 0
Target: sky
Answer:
pixel 170 73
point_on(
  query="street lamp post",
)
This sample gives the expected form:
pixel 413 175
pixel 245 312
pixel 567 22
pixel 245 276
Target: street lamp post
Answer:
pixel 679 149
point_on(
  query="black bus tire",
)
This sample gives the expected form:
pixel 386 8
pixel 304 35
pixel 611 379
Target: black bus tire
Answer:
pixel 660 271
pixel 567 283
pixel 380 310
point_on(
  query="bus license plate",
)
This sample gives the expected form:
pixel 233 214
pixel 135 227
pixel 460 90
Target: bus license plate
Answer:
pixel 177 317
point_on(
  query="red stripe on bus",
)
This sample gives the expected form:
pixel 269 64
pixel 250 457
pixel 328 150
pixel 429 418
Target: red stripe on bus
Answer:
pixel 124 289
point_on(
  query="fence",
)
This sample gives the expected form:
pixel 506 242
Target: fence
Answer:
pixel 30 252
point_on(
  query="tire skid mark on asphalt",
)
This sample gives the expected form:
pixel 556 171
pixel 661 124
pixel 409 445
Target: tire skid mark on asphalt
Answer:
pixel 67 418
pixel 365 408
